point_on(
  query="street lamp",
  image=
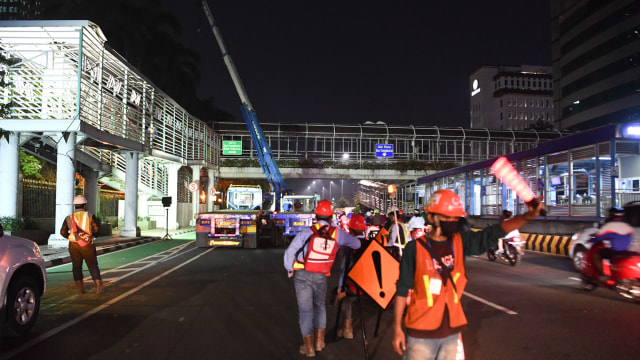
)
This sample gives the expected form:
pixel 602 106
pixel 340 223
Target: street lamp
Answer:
pixel 323 191
pixel 341 188
pixel 330 183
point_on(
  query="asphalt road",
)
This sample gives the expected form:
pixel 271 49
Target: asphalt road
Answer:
pixel 171 300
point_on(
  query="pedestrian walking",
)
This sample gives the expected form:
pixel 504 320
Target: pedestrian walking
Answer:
pixel 80 228
pixel 347 289
pixel 432 276
pixel 309 259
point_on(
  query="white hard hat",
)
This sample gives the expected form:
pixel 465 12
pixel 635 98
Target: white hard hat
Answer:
pixel 79 200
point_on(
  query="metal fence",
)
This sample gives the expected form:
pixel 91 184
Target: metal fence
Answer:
pixel 39 200
pixel 356 144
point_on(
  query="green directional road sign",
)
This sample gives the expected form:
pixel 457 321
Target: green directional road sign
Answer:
pixel 231 147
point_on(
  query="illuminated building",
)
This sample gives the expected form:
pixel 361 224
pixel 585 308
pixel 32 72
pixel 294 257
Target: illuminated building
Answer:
pixel 596 62
pixel 20 9
pixel 511 97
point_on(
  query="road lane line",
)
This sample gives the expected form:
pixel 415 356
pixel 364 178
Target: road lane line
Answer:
pixel 108 281
pixel 493 305
pixel 69 323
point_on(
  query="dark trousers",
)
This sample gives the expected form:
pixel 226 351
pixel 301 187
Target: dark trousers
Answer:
pixel 86 253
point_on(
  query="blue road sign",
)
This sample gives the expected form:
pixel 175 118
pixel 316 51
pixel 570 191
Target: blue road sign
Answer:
pixel 384 150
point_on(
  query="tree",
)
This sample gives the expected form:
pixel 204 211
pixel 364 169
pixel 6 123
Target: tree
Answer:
pixel 342 203
pixel 5 107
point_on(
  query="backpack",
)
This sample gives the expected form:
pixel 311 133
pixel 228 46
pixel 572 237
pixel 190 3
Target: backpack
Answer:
pixel 323 246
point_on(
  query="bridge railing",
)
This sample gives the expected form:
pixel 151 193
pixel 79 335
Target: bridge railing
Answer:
pixel 62 71
pixel 358 143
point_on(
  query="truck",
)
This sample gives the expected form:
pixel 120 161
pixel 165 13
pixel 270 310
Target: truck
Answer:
pixel 237 225
pixel 239 215
pixel 295 213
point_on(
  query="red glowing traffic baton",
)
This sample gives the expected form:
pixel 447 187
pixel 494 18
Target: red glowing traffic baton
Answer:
pixel 503 169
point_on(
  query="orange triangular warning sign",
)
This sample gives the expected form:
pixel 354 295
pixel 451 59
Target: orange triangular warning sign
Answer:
pixel 376 272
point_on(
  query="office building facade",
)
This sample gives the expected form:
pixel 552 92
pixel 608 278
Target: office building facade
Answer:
pixel 596 62
pixel 511 97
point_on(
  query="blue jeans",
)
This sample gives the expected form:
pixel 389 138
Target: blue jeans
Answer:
pixel 431 349
pixel 311 292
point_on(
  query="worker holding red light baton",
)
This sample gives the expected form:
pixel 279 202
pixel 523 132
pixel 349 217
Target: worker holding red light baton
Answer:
pixel 432 277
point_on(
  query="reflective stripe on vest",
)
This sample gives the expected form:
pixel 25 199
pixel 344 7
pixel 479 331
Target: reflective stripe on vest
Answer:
pixel 426 309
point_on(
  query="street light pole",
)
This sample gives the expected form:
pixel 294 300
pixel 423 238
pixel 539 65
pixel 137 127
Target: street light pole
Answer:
pixel 330 183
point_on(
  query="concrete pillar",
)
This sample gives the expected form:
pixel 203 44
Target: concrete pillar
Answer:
pixel 91 191
pixel 172 186
pixel 195 196
pixel 10 160
pixel 211 189
pixel 130 195
pixel 65 185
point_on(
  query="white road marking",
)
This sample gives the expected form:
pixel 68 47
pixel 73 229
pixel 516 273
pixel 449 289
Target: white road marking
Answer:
pixel 69 323
pixel 493 305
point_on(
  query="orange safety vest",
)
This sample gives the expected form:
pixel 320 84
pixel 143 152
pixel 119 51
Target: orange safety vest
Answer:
pixel 426 309
pixel 83 221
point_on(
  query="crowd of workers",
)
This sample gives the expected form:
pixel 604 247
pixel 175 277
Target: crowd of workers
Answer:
pixel 430 247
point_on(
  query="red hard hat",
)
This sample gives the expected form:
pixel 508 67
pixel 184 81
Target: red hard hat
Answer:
pixel 357 223
pixel 445 202
pixel 324 208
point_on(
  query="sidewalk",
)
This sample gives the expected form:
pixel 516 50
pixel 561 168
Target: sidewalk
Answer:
pixel 105 244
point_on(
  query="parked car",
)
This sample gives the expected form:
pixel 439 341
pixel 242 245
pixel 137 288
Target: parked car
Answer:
pixel 23 281
pixel 580 244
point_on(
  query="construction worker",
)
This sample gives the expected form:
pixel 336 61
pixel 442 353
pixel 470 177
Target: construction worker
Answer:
pixel 416 221
pixel 347 288
pixel 398 234
pixel 377 219
pixel 308 259
pixel 432 268
pixel 81 221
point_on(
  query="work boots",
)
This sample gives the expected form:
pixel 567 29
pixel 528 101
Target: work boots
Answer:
pixel 307 348
pixel 346 329
pixel 80 286
pixel 99 288
pixel 319 334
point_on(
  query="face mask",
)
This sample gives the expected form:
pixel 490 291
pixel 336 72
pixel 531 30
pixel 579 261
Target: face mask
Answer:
pixel 448 228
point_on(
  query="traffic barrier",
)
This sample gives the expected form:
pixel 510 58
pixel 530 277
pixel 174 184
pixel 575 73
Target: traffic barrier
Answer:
pixel 550 244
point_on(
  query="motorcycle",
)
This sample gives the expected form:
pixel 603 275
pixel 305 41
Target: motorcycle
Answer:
pixel 513 250
pixel 623 270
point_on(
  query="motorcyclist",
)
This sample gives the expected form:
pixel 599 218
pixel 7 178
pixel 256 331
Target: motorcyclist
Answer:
pixel 619 236
pixel 506 214
pixel 615 214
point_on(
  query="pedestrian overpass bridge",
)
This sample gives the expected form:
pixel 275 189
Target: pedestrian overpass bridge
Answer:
pixel 77 103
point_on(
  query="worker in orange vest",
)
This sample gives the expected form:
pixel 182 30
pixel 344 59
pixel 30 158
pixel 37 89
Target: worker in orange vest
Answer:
pixel 432 275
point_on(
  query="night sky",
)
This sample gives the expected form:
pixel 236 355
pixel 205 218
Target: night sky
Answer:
pixel 401 62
